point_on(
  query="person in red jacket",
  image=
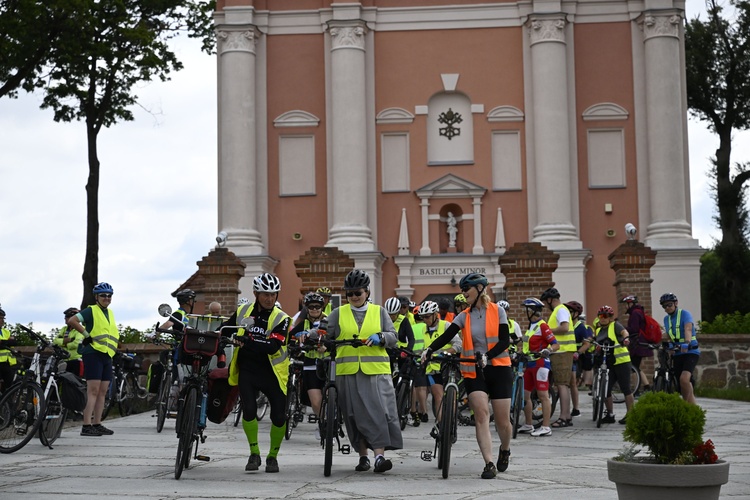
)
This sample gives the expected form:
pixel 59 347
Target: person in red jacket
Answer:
pixel 636 324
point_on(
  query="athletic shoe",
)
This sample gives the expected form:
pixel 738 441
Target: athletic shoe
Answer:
pixel 253 463
pixel 575 412
pixel 364 464
pixel 317 434
pixel 424 418
pixel 489 471
pixel 542 431
pixel 526 428
pixel 382 464
pixel 272 465
pixel 623 420
pixel 502 460
pixel 609 418
pixel 90 430
pixel 415 419
pixel 103 430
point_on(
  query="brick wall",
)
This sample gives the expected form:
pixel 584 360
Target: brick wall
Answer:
pixel 217 280
pixel 323 266
pixel 528 269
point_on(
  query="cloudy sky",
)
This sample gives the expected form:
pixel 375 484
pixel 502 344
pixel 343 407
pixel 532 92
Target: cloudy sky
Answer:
pixel 158 209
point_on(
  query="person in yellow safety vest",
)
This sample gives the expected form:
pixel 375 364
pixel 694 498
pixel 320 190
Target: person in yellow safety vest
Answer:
pixel 419 380
pixel 403 328
pixel 611 332
pixel 69 339
pixel 575 308
pixel 407 309
pixel 7 360
pixel 459 303
pixel 679 329
pixel 326 293
pixel 363 374
pixel 562 362
pixel 307 322
pixel 100 340
pixel 261 364
pixel 485 332
pixel 428 311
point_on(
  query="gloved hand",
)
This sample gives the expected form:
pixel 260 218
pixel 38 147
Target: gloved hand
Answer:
pixel 403 355
pixel 374 339
pixel 683 347
pixel 426 355
pixel 301 336
pixel 544 353
pixel 483 360
pixel 88 340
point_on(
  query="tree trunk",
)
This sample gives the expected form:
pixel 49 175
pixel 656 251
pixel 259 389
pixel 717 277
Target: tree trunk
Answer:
pixel 91 264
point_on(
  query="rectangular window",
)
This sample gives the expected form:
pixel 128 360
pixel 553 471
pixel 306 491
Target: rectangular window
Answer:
pixel 506 160
pixel 606 151
pixel 394 157
pixel 297 165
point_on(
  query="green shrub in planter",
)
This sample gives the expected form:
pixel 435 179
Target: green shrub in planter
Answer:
pixel 667 424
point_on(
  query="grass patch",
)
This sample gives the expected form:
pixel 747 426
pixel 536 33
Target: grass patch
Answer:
pixel 735 394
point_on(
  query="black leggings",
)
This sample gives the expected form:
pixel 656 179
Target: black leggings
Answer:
pixel 250 384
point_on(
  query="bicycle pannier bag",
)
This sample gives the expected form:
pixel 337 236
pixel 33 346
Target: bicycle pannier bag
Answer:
pixel 221 396
pixel 652 332
pixel 72 391
pixel 197 342
pixel 155 376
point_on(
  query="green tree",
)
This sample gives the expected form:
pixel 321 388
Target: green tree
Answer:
pixel 87 56
pixel 717 56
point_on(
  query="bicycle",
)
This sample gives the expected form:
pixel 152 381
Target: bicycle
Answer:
pixel 197 349
pixel 167 395
pixel 27 408
pixel 601 382
pixel 446 432
pixel 125 388
pixel 294 407
pixel 665 379
pixel 261 403
pixel 404 383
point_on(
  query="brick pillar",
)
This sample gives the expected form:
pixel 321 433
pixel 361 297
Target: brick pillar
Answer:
pixel 218 279
pixel 323 266
pixel 632 262
pixel 528 269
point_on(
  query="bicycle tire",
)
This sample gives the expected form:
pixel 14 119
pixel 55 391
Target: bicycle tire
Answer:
pixel 238 411
pixel 603 382
pixel 109 399
pixel 127 395
pixel 21 412
pixel 595 397
pixel 291 407
pixel 185 435
pixel 402 404
pixel 447 426
pixel 262 406
pixel 54 418
pixel 660 383
pixel 554 397
pixel 330 429
pixel 517 405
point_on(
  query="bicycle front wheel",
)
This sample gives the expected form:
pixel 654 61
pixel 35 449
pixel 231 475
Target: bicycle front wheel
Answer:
pixel 187 426
pixel 262 405
pixel 402 404
pixel 161 402
pixel 603 382
pixel 127 395
pixel 21 413
pixel 291 407
pixel 54 418
pixel 447 428
pixel 517 405
pixel 109 399
pixel 237 411
pixel 330 428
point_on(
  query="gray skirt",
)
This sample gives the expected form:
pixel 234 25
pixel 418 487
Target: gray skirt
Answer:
pixel 368 405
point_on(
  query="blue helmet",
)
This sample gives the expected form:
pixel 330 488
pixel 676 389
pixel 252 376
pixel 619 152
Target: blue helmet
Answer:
pixel 473 279
pixel 103 288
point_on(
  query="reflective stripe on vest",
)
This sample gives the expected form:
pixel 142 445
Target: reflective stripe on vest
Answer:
pixel 566 341
pixel 279 360
pixel 372 360
pixel 530 333
pixel 104 335
pixel 5 355
pixel 622 355
pixel 491 329
pixel 675 334
pixel 72 346
pixel 428 338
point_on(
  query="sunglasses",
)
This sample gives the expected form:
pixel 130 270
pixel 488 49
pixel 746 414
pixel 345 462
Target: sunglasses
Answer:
pixel 105 295
pixel 354 294
pixel 604 316
pixel 315 307
pixel 465 289
pixel 668 304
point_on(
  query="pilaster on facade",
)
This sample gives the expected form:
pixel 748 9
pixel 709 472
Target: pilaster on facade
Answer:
pixel 255 266
pixel 678 271
pixel 570 275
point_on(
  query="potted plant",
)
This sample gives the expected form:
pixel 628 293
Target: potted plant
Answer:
pixel 679 464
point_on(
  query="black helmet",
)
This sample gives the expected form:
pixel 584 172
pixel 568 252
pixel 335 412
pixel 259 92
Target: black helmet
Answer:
pixel 473 279
pixel 404 301
pixel 444 303
pixel 183 296
pixel 314 298
pixel 70 312
pixel 667 297
pixel 550 293
pixel 356 279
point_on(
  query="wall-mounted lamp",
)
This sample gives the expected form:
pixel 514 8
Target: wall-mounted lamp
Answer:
pixel 297 236
pixel 453 280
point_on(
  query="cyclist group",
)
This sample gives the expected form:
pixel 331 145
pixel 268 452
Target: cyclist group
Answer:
pixel 478 330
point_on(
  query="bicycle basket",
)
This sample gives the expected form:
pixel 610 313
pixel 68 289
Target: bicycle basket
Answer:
pixel 197 342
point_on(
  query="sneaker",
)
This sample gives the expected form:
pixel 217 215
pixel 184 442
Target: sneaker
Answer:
pixel 423 417
pixel 623 420
pixel 317 434
pixel 272 465
pixel 103 430
pixel 382 464
pixel 489 471
pixel 542 431
pixel 89 430
pixel 609 418
pixel 415 419
pixel 502 460
pixel 364 464
pixel 253 463
pixel 526 428
pixel 575 412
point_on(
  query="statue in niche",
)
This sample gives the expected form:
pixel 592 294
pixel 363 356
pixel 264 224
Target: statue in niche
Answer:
pixel 452 230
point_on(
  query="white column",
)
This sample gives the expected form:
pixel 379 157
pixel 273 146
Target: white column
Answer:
pixel 425 204
pixel 665 120
pixel 237 139
pixel 551 129
pixel 349 228
pixel 478 248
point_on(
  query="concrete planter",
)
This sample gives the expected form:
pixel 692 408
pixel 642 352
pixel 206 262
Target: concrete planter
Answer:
pixel 649 481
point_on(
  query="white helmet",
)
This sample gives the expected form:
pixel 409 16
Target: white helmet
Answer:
pixel 428 307
pixel 266 282
pixel 392 305
pixel 243 301
pixel 504 304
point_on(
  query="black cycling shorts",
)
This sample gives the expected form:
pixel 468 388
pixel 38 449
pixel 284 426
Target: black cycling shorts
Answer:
pixel 497 382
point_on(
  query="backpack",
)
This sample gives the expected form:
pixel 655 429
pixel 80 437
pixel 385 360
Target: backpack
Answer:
pixel 652 332
pixel 221 395
pixel 155 376
pixel 73 394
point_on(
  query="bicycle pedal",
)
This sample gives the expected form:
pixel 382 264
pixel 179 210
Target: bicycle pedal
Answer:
pixel 299 418
pixel 312 419
pixel 345 449
pixel 202 458
pixel 426 456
